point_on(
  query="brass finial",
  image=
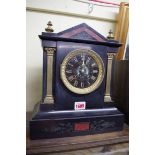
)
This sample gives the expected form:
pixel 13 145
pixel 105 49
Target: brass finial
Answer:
pixel 111 35
pixel 49 27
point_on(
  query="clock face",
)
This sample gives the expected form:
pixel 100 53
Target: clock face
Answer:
pixel 82 71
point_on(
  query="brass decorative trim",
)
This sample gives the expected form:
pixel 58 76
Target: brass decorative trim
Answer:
pixel 49 99
pixel 99 79
pixel 50 51
pixel 110 35
pixel 49 27
pixel 107 97
pixel 49 94
pixel 110 55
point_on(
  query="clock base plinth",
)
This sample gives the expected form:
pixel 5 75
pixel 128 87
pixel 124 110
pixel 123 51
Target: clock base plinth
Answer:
pixel 55 124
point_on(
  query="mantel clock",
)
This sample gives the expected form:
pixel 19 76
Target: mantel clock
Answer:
pixel 77 73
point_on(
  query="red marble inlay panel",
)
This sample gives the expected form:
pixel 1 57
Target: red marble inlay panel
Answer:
pixel 74 32
pixel 81 126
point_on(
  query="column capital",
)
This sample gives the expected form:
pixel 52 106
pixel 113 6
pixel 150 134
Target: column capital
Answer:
pixel 111 55
pixel 50 50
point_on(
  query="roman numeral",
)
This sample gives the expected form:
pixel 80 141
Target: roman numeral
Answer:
pixel 88 60
pixel 94 64
pixel 95 71
pixel 83 57
pixel 93 78
pixel 88 83
pixel 82 84
pixel 71 78
pixel 70 64
pixel 75 83
pixel 75 59
pixel 69 71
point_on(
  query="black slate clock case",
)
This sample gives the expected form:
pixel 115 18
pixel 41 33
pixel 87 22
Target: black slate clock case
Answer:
pixel 60 119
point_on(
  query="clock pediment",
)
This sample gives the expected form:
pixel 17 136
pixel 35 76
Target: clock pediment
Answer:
pixel 83 32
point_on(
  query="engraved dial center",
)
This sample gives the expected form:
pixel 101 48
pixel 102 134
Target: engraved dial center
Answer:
pixel 82 71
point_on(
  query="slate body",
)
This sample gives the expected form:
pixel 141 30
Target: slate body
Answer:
pixel 53 120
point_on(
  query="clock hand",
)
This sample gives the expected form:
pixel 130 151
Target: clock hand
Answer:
pixel 83 63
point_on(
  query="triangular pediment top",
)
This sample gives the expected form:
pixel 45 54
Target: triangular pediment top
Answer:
pixel 82 31
pixel 82 34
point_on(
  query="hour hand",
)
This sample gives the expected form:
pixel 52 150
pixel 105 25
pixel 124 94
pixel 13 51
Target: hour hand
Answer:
pixel 83 62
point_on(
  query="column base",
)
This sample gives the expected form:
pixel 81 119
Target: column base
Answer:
pixel 49 99
pixel 107 98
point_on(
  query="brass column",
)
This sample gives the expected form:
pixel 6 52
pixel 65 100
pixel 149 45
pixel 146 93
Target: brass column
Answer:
pixel 107 97
pixel 49 94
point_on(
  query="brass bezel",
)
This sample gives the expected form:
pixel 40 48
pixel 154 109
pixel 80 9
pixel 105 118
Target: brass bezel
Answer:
pixel 99 79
